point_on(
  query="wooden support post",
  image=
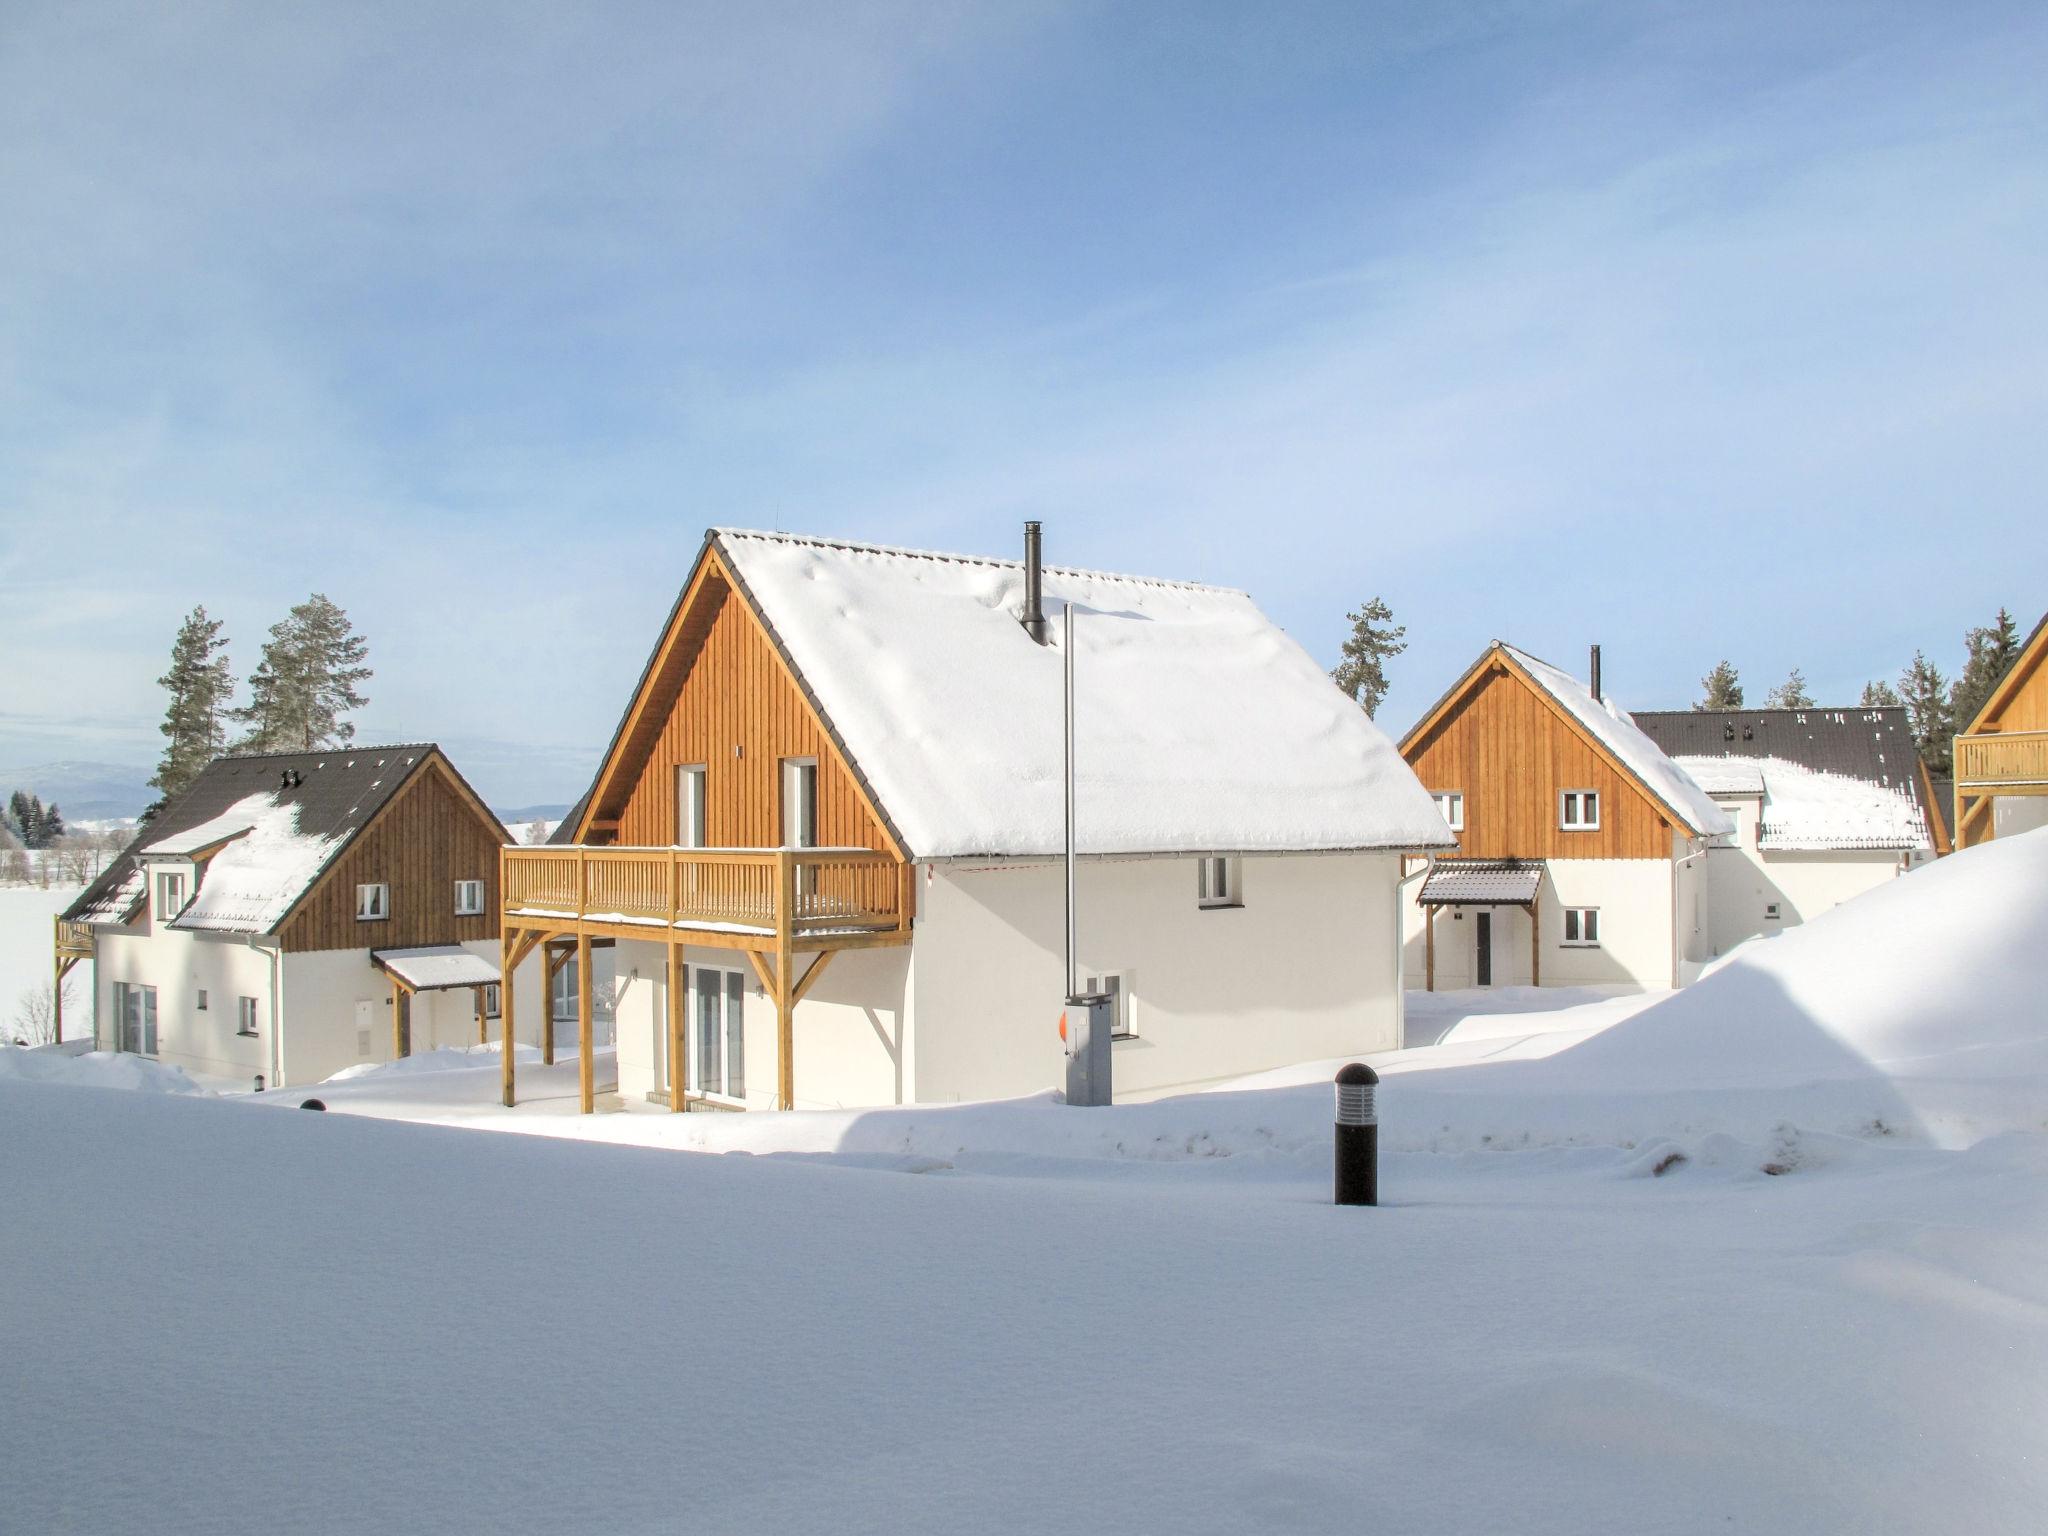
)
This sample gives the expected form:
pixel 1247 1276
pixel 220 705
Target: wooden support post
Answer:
pixel 586 1066
pixel 508 962
pixel 1429 948
pixel 818 963
pixel 57 999
pixel 483 1034
pixel 785 981
pixel 1535 946
pixel 398 1049
pixel 678 1062
pixel 549 965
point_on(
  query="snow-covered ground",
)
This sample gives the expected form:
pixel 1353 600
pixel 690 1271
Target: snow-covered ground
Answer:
pixel 26 915
pixel 1770 1254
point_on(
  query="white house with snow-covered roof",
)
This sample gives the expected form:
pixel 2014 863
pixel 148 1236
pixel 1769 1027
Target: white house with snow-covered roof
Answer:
pixel 288 915
pixel 825 840
pixel 1582 846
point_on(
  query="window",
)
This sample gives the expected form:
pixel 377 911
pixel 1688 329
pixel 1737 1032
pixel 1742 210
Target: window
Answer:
pixel 1771 911
pixel 1451 804
pixel 1578 810
pixel 690 806
pixel 202 999
pixel 246 1016
pixel 1218 882
pixel 135 1018
pixel 493 1005
pixel 469 898
pixel 800 802
pixel 1114 985
pixel 170 895
pixel 373 903
pixel 1582 927
pixel 718 1041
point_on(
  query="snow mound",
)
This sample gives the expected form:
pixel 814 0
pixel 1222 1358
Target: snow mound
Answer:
pixel 95 1069
pixel 452 1058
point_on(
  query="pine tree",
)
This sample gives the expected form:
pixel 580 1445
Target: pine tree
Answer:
pixel 305 682
pixel 1992 651
pixel 36 824
pixel 1790 694
pixel 199 684
pixel 1362 674
pixel 1723 688
pixel 19 816
pixel 1924 692
pixel 1880 695
pixel 49 827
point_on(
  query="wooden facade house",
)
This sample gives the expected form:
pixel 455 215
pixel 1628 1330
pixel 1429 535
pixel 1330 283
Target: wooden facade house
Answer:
pixel 291 914
pixel 2001 757
pixel 1579 841
pixel 826 827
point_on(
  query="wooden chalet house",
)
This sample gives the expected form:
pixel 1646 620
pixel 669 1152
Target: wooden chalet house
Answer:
pixel 292 914
pixel 2001 785
pixel 1581 845
pixel 824 840
pixel 1827 804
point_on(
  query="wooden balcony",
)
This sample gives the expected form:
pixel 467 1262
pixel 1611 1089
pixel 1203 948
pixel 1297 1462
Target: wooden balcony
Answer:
pixel 2011 762
pixel 736 898
pixel 74 941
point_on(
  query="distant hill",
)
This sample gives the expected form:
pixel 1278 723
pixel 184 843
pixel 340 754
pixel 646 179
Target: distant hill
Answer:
pixel 531 813
pixel 83 791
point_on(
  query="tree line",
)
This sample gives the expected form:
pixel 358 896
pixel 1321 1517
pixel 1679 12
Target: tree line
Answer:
pixel 1936 706
pixel 305 683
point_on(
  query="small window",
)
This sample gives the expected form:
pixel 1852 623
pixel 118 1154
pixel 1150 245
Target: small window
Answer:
pixel 373 903
pixel 1218 882
pixel 1114 984
pixel 202 999
pixel 1451 804
pixel 1582 927
pixel 1578 810
pixel 491 1000
pixel 1771 911
pixel 170 895
pixel 469 898
pixel 246 1016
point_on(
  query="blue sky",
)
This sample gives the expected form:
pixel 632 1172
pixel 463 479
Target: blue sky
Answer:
pixel 1695 330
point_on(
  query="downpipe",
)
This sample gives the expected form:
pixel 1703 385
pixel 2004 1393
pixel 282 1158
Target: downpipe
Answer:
pixel 1401 949
pixel 1706 847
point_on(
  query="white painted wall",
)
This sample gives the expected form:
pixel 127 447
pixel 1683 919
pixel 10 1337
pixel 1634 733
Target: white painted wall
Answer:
pixel 1745 881
pixel 1637 907
pixel 180 966
pixel 2014 814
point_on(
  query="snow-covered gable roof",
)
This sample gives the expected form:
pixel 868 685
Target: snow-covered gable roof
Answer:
pixel 437 967
pixel 231 823
pixel 1805 810
pixel 1611 727
pixel 251 884
pixel 1201 725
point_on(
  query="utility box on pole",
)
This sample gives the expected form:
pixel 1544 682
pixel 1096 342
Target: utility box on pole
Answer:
pixel 1086 1027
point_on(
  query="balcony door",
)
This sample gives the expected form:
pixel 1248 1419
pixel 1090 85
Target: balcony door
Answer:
pixel 800 817
pixel 718 1044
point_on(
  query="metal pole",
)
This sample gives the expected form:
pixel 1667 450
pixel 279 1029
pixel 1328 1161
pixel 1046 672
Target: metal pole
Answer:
pixel 1357 1136
pixel 1067 640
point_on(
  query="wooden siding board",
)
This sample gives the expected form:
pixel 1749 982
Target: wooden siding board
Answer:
pixel 1511 755
pixel 734 692
pixel 420 844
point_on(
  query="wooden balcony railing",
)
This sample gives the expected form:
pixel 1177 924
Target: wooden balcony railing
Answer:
pixel 74 940
pixel 745 890
pixel 2011 758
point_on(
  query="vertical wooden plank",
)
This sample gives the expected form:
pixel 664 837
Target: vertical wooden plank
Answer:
pixel 586 1065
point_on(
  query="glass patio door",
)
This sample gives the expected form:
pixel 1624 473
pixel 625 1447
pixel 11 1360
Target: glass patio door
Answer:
pixel 718 1047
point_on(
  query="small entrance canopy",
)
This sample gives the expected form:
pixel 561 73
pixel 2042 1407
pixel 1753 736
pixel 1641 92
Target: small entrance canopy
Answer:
pixel 1482 883
pixel 431 968
pixel 436 967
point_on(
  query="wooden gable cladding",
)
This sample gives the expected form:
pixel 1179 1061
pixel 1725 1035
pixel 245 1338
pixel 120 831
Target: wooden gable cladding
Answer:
pixel 431 834
pixel 734 708
pixel 2020 701
pixel 1510 753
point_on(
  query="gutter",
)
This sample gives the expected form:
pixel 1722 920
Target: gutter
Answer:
pixel 276 955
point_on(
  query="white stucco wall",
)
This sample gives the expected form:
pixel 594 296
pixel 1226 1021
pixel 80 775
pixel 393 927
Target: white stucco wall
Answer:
pixel 179 966
pixel 1304 969
pixel 1745 882
pixel 1635 898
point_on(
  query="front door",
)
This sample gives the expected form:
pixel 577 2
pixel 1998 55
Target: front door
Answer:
pixel 1482 939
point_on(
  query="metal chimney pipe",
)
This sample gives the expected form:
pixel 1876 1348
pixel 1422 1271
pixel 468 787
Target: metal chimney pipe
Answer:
pixel 1597 698
pixel 1034 585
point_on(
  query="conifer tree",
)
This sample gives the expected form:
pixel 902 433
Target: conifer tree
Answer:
pixel 306 682
pixel 19 815
pixel 1880 695
pixel 199 684
pixel 1924 692
pixel 1723 688
pixel 1991 652
pixel 1362 674
pixel 1790 694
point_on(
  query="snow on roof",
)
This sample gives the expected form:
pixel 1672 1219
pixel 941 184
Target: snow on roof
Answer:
pixel 1611 726
pixel 1724 775
pixel 436 967
pixel 188 840
pixel 111 899
pixel 1807 810
pixel 1202 726
pixel 251 884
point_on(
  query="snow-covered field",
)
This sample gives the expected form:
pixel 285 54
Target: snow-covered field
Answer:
pixel 1770 1254
pixel 26 915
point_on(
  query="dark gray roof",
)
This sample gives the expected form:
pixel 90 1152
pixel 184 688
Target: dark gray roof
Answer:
pixel 1873 744
pixel 565 829
pixel 1482 883
pixel 1943 807
pixel 336 794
